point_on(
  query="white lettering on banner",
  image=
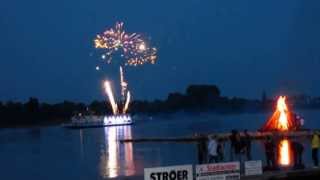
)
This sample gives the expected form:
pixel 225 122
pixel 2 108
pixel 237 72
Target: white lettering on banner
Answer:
pixel 253 168
pixel 184 172
pixel 219 171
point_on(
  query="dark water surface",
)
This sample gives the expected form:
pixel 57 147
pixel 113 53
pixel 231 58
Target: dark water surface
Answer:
pixel 58 153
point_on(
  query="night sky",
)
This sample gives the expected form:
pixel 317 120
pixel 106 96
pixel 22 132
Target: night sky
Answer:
pixel 243 46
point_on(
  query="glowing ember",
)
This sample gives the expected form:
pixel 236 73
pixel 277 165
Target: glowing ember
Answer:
pixel 284 153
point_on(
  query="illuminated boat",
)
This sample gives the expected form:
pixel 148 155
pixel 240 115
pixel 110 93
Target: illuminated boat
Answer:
pixel 99 121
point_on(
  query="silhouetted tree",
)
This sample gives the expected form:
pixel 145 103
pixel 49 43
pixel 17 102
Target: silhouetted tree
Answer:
pixel 197 98
pixel 264 97
pixel 100 107
pixel 200 96
pixel 32 105
pixel 175 101
pixel 203 91
pixel 1 107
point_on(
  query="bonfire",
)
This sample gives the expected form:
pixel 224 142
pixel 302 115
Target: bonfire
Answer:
pixel 282 120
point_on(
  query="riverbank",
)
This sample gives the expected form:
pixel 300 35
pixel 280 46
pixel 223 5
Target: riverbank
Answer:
pixel 308 173
pixel 84 153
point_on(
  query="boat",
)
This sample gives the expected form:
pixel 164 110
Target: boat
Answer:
pixel 98 121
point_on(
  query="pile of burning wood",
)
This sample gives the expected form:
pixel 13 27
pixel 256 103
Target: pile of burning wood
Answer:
pixel 283 120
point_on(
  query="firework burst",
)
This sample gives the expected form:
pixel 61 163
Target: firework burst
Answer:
pixel 131 47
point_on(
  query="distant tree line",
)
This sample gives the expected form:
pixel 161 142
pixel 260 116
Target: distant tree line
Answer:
pixel 196 98
pixel 200 98
pixel 33 113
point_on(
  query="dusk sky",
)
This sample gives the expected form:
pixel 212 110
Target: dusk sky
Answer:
pixel 242 46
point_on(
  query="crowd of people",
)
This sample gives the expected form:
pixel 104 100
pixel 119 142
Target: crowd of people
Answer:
pixel 212 149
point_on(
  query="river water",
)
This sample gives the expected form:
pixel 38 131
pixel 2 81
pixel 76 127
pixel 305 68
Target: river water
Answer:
pixel 58 153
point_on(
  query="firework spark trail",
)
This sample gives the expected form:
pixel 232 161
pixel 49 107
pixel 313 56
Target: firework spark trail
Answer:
pixel 133 50
pixel 113 102
pixel 111 97
pixel 132 47
pixel 123 84
pixel 126 106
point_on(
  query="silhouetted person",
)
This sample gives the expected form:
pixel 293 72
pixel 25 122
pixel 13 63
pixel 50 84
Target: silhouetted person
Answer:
pixel 232 143
pixel 220 150
pixel 270 153
pixel 297 149
pixel 213 149
pixel 239 150
pixel 315 144
pixel 247 145
pixel 202 148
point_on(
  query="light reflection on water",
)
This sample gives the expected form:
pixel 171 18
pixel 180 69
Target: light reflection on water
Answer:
pixel 81 143
pixel 93 154
pixel 117 158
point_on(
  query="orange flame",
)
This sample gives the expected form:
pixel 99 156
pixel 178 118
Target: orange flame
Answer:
pixel 283 125
pixel 284 153
pixel 281 119
pixel 283 110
